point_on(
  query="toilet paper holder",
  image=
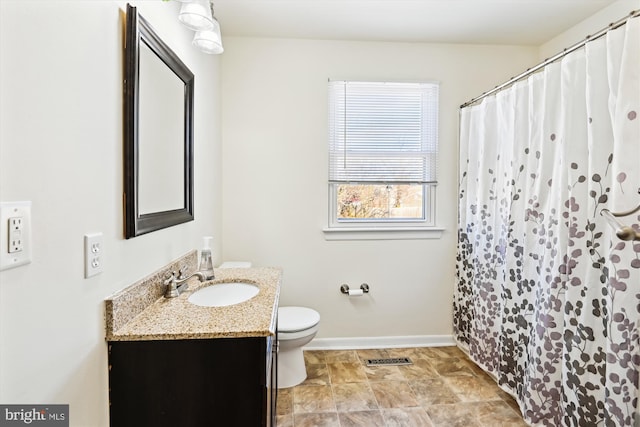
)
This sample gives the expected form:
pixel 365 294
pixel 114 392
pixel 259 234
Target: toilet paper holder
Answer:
pixel 345 288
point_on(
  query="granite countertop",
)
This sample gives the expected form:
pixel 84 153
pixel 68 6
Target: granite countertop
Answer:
pixel 130 318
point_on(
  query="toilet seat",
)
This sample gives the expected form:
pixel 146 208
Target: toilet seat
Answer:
pixel 296 319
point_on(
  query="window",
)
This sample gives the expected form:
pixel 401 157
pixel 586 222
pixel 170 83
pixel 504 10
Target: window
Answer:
pixel 383 146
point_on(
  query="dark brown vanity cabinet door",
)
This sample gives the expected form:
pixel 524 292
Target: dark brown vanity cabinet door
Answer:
pixel 192 383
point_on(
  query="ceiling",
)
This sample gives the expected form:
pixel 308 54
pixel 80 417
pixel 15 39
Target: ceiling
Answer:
pixel 520 22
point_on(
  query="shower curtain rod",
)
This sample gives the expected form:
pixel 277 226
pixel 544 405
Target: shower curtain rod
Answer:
pixel 612 26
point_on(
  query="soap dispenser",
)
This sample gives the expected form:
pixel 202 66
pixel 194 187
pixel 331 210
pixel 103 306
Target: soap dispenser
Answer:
pixel 206 261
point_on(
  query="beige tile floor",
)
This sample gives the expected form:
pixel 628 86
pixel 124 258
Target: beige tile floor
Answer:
pixel 442 388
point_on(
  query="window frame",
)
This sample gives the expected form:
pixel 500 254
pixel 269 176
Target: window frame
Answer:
pixel 385 228
pixel 428 212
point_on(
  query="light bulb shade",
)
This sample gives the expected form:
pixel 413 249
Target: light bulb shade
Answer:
pixel 196 15
pixel 209 41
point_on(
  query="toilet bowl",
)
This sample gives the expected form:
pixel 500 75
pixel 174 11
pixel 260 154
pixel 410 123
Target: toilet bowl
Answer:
pixel 296 327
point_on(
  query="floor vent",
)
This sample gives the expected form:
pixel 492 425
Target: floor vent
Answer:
pixel 391 361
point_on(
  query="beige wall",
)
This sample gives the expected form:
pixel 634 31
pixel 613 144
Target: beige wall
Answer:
pixel 61 148
pixel 612 13
pixel 275 177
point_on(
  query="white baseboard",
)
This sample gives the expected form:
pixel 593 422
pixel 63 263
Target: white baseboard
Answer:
pixel 354 343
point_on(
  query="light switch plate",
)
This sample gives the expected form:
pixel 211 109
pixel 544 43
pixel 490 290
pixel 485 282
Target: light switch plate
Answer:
pixel 15 234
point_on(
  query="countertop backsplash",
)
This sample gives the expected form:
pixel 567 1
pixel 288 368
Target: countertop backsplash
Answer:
pixel 129 302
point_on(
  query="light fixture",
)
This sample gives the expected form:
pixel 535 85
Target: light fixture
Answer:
pixel 210 41
pixel 196 15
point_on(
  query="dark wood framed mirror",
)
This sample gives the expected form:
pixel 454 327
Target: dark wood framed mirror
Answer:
pixel 158 132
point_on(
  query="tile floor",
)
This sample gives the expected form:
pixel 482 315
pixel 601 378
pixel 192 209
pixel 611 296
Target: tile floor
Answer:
pixel 442 388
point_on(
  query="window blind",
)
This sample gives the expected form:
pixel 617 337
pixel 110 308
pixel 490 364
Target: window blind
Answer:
pixel 383 132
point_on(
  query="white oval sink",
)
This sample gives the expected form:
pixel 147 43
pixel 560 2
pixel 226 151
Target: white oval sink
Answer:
pixel 224 294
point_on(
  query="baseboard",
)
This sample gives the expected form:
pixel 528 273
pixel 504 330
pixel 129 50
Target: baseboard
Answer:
pixel 354 343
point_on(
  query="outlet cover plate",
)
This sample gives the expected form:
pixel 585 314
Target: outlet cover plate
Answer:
pixel 11 255
pixel 93 254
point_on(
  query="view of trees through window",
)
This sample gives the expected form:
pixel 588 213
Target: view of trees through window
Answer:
pixel 397 201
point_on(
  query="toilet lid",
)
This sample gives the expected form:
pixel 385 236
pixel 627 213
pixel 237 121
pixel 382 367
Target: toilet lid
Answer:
pixel 293 319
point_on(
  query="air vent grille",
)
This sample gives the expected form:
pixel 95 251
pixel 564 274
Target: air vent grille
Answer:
pixel 390 361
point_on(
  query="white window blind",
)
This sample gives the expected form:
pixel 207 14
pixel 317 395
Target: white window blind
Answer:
pixel 383 132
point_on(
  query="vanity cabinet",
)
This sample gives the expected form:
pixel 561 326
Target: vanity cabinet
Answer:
pixel 193 383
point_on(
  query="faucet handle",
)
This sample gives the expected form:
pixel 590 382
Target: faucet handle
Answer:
pixel 169 277
pixel 182 272
pixel 172 289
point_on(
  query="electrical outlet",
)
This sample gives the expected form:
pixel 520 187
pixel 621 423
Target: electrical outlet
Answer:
pixel 93 254
pixel 15 234
pixel 16 243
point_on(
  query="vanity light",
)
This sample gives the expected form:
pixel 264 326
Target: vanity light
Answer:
pixel 196 15
pixel 209 41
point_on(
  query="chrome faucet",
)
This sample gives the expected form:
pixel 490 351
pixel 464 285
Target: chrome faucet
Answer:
pixel 175 285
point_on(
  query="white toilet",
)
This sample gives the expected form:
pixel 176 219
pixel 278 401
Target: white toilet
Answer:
pixel 296 327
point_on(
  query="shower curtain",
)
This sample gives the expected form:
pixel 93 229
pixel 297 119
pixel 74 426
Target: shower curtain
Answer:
pixel 547 297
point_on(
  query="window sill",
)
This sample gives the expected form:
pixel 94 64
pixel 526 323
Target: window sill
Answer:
pixel 382 233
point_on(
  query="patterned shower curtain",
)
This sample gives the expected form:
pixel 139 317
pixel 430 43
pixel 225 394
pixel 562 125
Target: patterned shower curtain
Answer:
pixel 548 297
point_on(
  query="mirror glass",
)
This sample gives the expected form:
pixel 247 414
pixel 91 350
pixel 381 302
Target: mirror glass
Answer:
pixel 160 133
pixel 158 155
